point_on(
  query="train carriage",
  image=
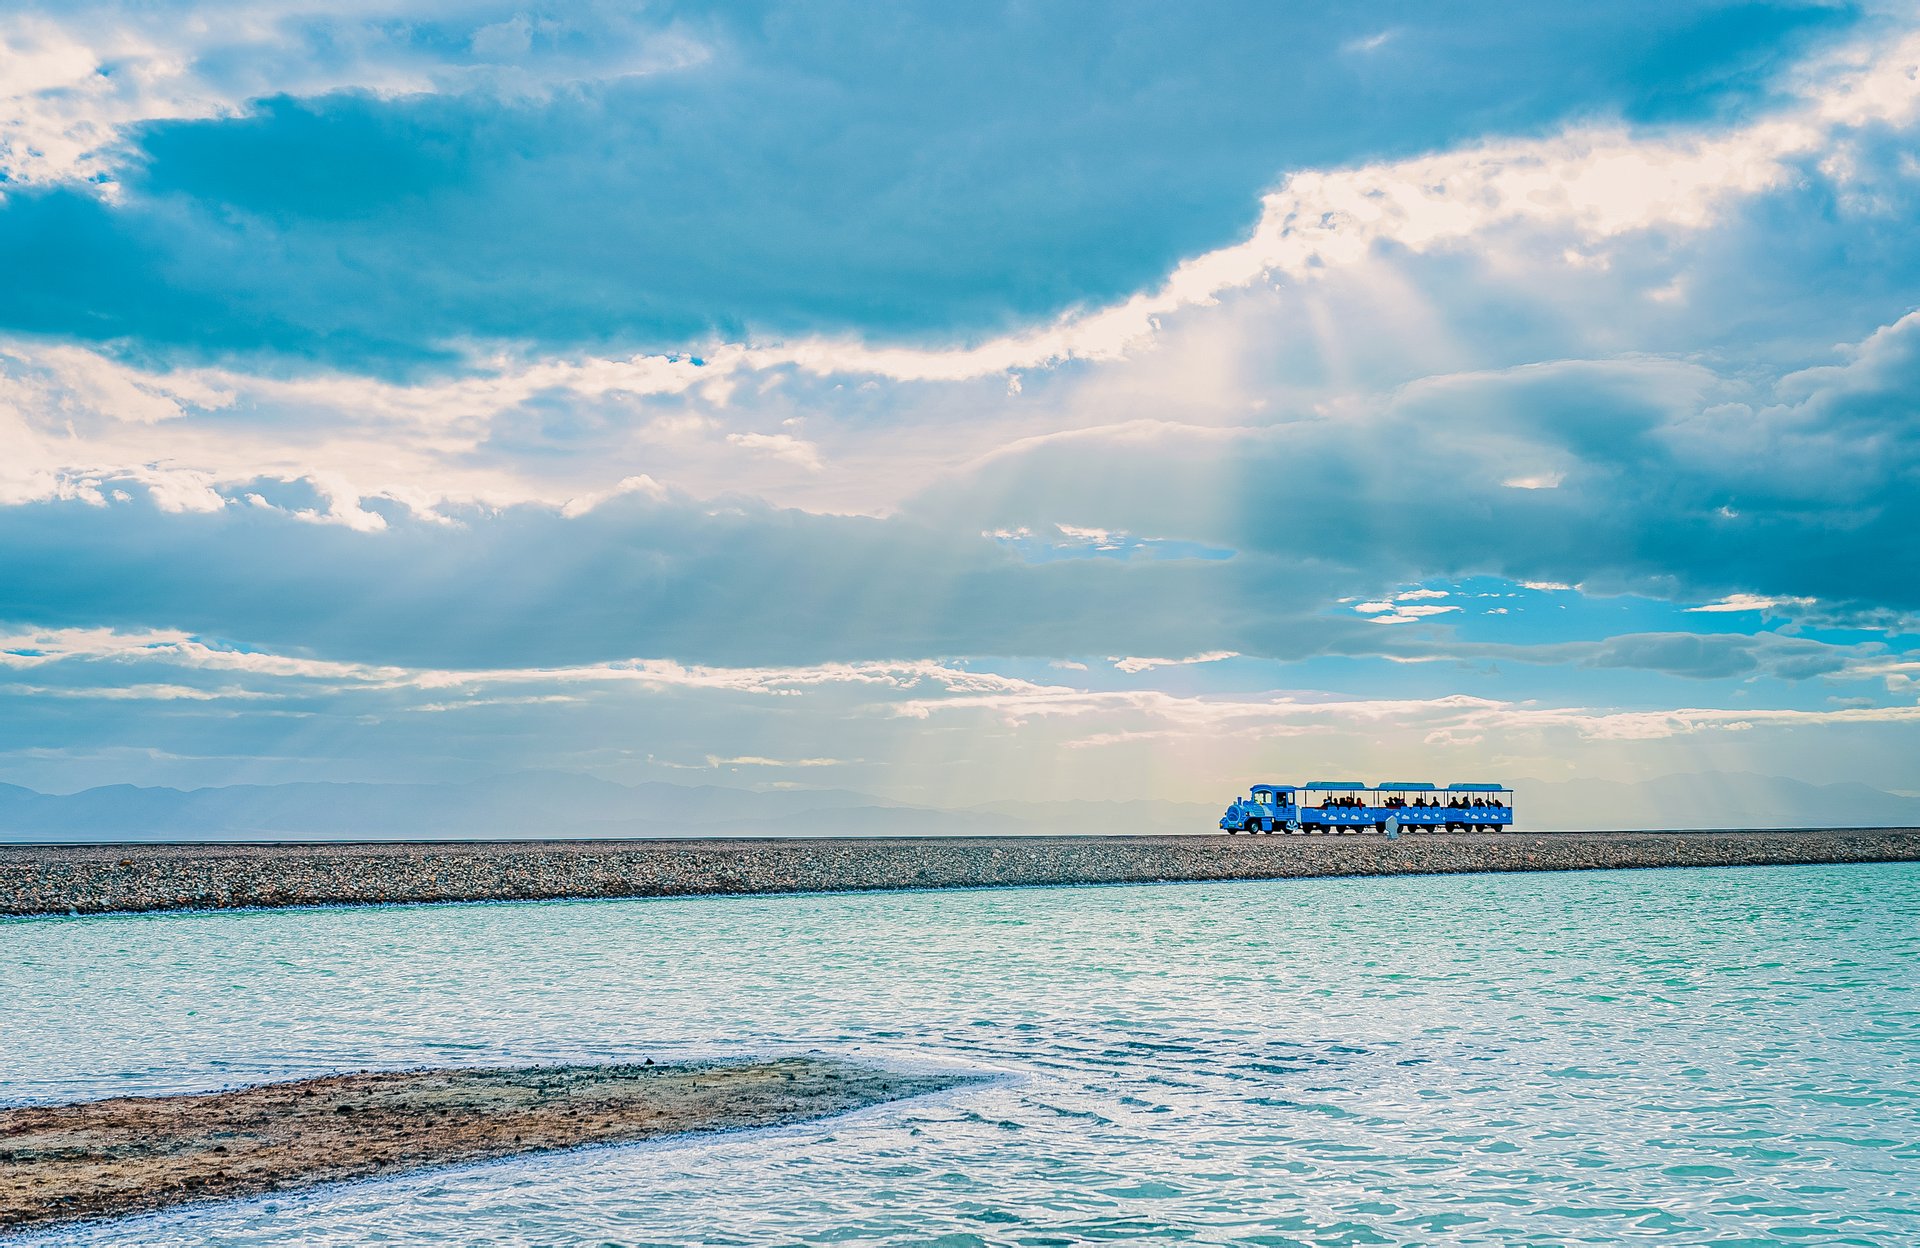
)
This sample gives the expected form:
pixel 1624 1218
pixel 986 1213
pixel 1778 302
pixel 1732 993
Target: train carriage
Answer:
pixel 1349 806
pixel 1414 804
pixel 1478 806
pixel 1337 806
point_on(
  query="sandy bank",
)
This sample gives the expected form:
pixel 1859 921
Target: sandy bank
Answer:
pixel 132 1154
pixel 102 879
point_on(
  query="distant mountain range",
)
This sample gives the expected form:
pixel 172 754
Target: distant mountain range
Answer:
pixel 527 804
pixel 1711 800
pixel 554 804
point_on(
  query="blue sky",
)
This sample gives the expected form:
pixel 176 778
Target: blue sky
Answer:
pixel 958 403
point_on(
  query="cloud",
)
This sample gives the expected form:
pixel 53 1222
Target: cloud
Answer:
pixel 923 731
pixel 75 78
pixel 133 693
pixel 714 760
pixel 918 689
pixel 1369 43
pixel 79 417
pixel 1167 717
pixel 1133 665
pixel 510 427
pixel 1750 602
pixel 1696 655
pixel 1399 612
pixel 781 446
pixel 472 375
pixel 384 194
pixel 646 570
pixel 1815 462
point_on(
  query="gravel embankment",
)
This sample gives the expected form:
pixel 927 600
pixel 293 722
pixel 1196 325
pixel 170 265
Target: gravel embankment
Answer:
pixel 126 1155
pixel 99 879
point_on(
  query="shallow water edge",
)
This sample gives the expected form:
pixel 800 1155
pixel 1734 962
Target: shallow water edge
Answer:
pixel 1530 1058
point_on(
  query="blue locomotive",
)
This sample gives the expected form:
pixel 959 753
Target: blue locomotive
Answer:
pixel 1350 806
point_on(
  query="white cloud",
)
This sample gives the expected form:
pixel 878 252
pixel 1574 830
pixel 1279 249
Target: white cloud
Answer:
pixel 1370 43
pixel 73 79
pixel 1401 611
pixel 1750 602
pixel 1132 665
pixel 1099 539
pixel 69 416
pixel 781 446
pixel 754 760
pixel 41 648
pixel 870 710
pixel 1457 719
pixel 645 485
pixel 134 693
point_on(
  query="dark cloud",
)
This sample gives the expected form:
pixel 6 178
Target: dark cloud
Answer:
pixel 920 170
pixel 1667 488
pixel 525 586
pixel 1700 656
pixel 1666 479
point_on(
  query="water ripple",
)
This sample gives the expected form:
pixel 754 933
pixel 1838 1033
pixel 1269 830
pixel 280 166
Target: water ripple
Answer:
pixel 1583 1058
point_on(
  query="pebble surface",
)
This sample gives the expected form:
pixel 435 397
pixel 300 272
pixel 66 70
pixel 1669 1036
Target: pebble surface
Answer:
pixel 132 1154
pixel 100 879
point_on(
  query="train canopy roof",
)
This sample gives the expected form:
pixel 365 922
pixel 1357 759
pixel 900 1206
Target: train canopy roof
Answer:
pixel 1408 785
pixel 1339 786
pixel 1477 788
pixel 1271 788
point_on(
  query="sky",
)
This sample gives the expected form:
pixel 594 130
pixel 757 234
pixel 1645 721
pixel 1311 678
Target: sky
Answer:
pixel 958 403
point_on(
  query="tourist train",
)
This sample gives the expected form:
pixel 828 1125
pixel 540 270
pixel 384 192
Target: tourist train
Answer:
pixel 1350 806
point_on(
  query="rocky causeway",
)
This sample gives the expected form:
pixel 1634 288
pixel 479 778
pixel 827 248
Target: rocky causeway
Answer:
pixel 98 879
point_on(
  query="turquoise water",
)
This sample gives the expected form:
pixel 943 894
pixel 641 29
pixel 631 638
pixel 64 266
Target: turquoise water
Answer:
pixel 1694 1056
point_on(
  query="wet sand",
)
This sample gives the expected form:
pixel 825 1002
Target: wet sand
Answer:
pixel 103 879
pixel 135 1154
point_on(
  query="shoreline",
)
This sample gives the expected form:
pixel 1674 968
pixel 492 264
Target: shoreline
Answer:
pixel 129 1155
pixel 38 880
